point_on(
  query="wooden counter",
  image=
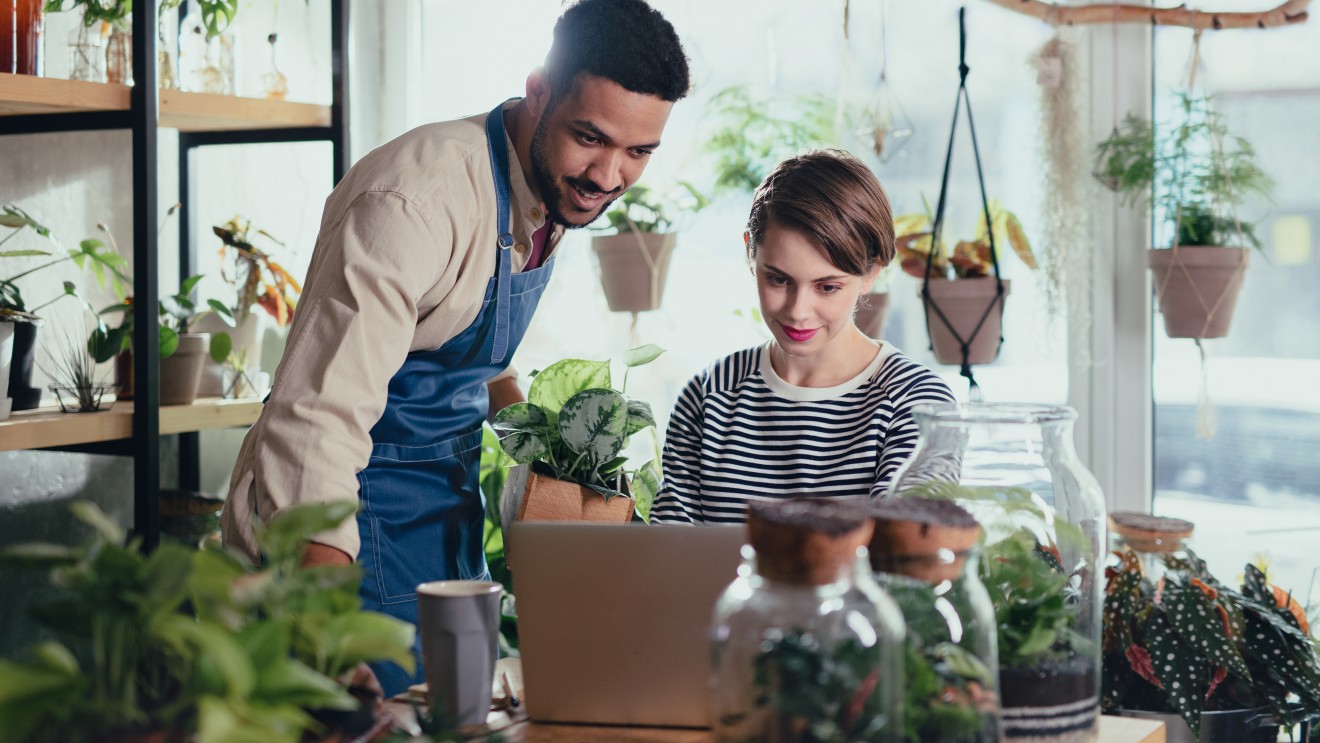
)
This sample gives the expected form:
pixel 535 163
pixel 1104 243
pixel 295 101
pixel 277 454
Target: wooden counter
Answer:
pixel 521 730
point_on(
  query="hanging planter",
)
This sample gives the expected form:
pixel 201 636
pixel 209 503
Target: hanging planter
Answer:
pixel 633 268
pixel 1197 288
pixel 970 310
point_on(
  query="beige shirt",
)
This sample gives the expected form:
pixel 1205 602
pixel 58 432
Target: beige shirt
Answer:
pixel 406 248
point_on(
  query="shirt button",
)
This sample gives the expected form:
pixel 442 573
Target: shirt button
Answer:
pixel 534 213
pixel 521 248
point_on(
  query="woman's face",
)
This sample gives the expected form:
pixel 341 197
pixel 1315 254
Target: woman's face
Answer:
pixel 806 300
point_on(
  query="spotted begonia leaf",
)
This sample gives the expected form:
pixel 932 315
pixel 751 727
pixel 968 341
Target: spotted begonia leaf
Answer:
pixel 1182 671
pixel 1197 619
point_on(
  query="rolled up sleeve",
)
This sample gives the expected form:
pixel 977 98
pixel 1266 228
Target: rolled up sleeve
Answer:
pixel 349 337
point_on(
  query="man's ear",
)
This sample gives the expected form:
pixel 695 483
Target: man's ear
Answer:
pixel 538 93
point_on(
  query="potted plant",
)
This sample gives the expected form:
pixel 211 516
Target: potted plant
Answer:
pixel 567 440
pixel 183 642
pixel 91 254
pixel 959 287
pixel 181 352
pixel 634 261
pixel 259 283
pixel 751 133
pixel 1216 664
pixel 1197 174
pixel 73 378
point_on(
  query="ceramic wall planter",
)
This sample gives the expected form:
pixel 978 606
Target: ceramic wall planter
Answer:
pixel 181 371
pixel 872 310
pixel 633 269
pixel 1197 288
pixel 964 303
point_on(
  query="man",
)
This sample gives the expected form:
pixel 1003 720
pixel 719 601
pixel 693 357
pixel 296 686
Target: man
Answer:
pixel 432 256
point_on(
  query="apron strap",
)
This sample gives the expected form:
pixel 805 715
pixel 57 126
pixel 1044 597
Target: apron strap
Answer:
pixel 499 165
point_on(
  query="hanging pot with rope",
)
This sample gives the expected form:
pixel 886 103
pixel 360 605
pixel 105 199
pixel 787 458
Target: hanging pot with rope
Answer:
pixel 965 315
pixel 633 268
pixel 1197 288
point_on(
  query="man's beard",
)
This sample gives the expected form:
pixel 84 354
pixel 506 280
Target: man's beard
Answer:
pixel 550 190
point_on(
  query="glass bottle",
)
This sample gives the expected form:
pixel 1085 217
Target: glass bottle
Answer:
pixel 29 25
pixel 806 647
pixel 167 39
pixel 1152 539
pixel 273 83
pixel 86 53
pixel 119 56
pixel 926 557
pixel 1015 469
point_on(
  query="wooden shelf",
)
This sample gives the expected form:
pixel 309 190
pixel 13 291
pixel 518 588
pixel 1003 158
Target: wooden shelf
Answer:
pixel 204 112
pixel 188 112
pixel 25 94
pixel 47 426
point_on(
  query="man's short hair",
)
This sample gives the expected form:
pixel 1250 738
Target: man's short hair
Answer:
pixel 626 41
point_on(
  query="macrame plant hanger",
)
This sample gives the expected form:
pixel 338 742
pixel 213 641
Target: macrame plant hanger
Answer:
pixel 996 303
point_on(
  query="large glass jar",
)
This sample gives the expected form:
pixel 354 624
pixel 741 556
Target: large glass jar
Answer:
pixel 1014 467
pixel 806 647
pixel 925 554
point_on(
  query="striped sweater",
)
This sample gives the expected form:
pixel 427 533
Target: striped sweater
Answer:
pixel 739 433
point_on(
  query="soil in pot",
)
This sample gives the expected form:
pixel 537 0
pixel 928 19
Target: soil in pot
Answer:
pixel 963 303
pixel 1054 702
pixel 181 371
pixel 1197 288
pixel 21 391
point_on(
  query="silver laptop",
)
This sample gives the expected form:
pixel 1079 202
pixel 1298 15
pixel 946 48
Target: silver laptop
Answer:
pixel 614 620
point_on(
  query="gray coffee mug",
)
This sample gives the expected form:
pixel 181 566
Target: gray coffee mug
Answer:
pixel 459 621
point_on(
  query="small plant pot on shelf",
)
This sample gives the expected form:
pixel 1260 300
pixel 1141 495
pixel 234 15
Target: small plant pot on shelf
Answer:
pixel 1197 288
pixel 963 303
pixel 1229 726
pixel 24 395
pixel 6 355
pixel 247 346
pixel 88 398
pixel 632 283
pixel 871 313
pixel 181 371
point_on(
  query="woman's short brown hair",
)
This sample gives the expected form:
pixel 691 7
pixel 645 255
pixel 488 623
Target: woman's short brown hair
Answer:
pixel 834 199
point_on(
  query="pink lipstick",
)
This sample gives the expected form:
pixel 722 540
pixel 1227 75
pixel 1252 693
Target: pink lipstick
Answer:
pixel 797 335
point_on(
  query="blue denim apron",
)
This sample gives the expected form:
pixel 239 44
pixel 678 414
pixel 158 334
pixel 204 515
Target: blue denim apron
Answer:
pixel 422 509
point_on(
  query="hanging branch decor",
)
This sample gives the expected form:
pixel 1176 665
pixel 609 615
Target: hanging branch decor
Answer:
pixel 1057 14
pixel 967 308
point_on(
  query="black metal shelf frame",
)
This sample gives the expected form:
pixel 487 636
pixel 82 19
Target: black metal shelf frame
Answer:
pixel 143 121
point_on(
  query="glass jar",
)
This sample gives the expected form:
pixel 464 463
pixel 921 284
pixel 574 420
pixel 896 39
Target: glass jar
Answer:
pixel 86 53
pixel 29 24
pixel 273 83
pixel 806 647
pixel 926 557
pixel 167 51
pixel 119 57
pixel 1014 467
pixel 1154 540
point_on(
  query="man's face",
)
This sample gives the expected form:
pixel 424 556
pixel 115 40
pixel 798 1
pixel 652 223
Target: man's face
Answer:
pixel 593 145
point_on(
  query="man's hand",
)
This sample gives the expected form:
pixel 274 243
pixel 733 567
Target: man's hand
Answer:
pixel 321 554
pixel 503 393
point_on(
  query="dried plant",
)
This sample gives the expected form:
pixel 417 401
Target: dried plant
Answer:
pixel 73 373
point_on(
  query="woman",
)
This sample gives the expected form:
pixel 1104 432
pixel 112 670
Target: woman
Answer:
pixel 822 410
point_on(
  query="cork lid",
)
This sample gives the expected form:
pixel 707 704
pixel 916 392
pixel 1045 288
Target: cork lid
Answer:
pixel 925 538
pixel 1147 533
pixel 807 541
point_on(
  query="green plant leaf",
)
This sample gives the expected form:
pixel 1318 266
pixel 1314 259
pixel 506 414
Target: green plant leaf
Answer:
pixel 593 422
pixel 187 286
pixel 524 447
pixel 222 310
pixel 367 637
pixel 288 682
pixel 91 514
pixel 642 355
pixel 645 486
pixel 287 532
pixel 104 343
pixel 563 379
pixel 639 417
pixel 221 346
pixel 21 253
pixel 38 555
pixel 169 342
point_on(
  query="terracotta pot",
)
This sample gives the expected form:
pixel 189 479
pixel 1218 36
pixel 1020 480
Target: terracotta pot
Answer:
pixel 1197 288
pixel 181 371
pixel 966 304
pixel 871 313
pixel 533 494
pixel 629 282
pixel 25 396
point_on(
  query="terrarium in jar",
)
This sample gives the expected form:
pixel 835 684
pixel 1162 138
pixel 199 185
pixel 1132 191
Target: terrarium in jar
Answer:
pixel 1013 466
pixel 806 647
pixel 926 556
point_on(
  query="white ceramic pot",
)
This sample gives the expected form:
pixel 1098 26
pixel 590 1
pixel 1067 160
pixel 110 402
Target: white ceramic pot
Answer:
pixel 247 340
